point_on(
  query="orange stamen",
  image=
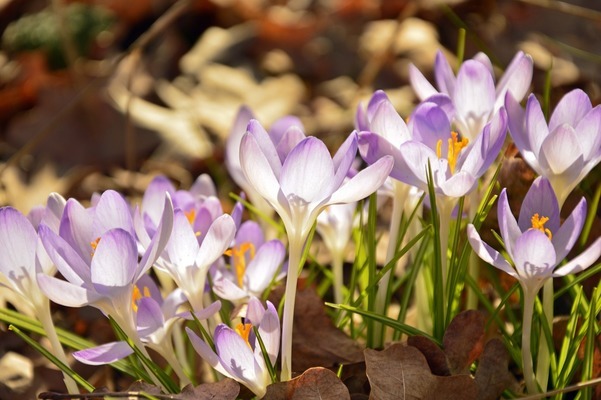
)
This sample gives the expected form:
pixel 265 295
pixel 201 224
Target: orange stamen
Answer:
pixel 94 245
pixel 454 148
pixel 190 215
pixel 244 331
pixel 137 295
pixel 539 224
pixel 238 263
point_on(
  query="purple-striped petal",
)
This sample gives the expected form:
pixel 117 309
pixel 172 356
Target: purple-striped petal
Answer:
pixel 265 144
pixel 261 269
pixel 516 79
pixel 104 354
pixel 540 200
pixel 510 230
pixel 66 259
pixel 149 316
pixel 112 212
pixel 445 78
pixel 159 240
pixel 571 108
pixel 534 258
pixel 259 173
pixel 388 123
pixel 420 84
pixel 560 150
pixel 566 236
pixel 487 253
pixel 364 183
pixel 307 172
pixel 582 261
pixel 65 293
pixel 18 241
pixel 218 239
pixel 115 262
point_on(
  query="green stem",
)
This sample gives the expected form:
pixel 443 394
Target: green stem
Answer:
pixel 527 364
pixel 543 360
pixel 398 202
pixel 43 314
pixel 337 271
pixel 474 260
pixel 295 244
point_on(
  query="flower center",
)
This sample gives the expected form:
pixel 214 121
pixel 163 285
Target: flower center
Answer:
pixel 93 245
pixel 137 295
pixel 244 331
pixel 539 224
pixel 238 261
pixel 454 148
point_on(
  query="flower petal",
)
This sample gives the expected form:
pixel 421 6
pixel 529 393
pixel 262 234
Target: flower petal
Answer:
pixel 534 258
pixel 420 84
pixel 474 97
pixel 571 108
pixel 445 78
pixel 265 143
pixel 65 293
pixel 307 172
pixel 236 356
pixel 388 123
pixel 566 236
pixel 66 259
pixel 104 354
pixel 269 329
pixel 582 261
pixel 487 253
pixel 589 134
pixel 257 170
pixel 510 230
pixel 516 79
pixel 218 239
pixel 560 150
pixel 115 261
pixel 112 212
pixel 364 183
pixel 153 200
pixel 159 240
pixel 76 228
pixel 232 146
pixel 18 241
pixel 261 270
pixel 149 317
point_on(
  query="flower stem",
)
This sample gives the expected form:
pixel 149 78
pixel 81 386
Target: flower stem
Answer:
pixel 527 364
pixel 43 314
pixel 543 360
pixel 295 244
pixel 398 201
pixel 474 260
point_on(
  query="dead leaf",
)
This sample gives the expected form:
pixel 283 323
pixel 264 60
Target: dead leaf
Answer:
pixel 225 389
pixel 493 376
pixel 314 384
pixel 315 339
pixel 436 358
pixel 401 373
pixel 464 340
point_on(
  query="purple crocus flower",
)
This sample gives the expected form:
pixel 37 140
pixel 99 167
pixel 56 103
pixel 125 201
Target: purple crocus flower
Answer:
pixel 536 243
pixel 105 273
pixel 187 261
pixel 299 179
pixel 456 162
pixel 253 265
pixel 237 352
pixel 471 99
pixel 284 134
pixel 565 150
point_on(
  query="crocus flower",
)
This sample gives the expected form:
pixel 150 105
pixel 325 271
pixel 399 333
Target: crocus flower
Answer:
pixel 536 243
pixel 471 99
pixel 187 261
pixel 299 183
pixel 253 265
pixel 106 277
pixel 565 150
pixel 21 258
pixel 284 133
pixel 237 352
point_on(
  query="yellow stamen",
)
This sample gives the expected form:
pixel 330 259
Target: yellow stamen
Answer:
pixel 137 295
pixel 238 262
pixel 539 224
pixel 94 245
pixel 244 331
pixel 190 215
pixel 454 148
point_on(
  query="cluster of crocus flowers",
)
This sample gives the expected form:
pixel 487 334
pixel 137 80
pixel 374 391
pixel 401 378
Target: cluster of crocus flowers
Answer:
pixel 207 260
